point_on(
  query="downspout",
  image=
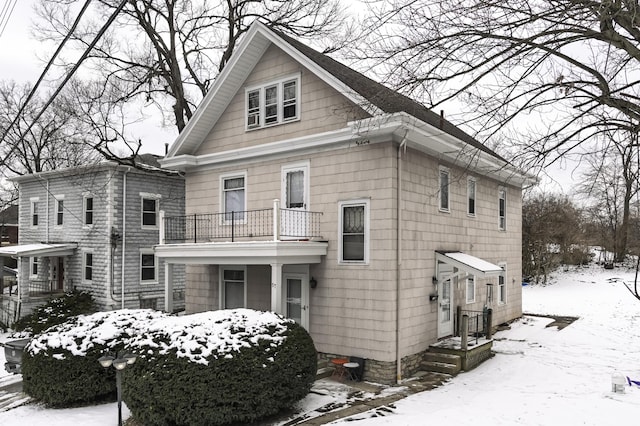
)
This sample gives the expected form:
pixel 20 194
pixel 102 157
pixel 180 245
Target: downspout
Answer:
pixel 124 231
pixel 401 147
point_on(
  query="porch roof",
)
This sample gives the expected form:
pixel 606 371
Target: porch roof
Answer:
pixel 469 264
pixel 243 253
pixel 60 249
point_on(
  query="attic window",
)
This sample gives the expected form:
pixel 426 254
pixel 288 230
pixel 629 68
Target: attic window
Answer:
pixel 276 102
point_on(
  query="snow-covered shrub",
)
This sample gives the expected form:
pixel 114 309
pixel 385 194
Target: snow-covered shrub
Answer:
pixel 215 368
pixel 56 311
pixel 60 366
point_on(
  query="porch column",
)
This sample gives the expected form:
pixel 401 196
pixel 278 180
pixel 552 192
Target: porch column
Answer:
pixel 276 288
pixel 168 287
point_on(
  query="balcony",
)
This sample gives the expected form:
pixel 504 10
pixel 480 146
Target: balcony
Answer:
pixel 275 224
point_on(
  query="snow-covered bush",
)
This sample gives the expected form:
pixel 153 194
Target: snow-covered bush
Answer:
pixel 215 368
pixel 60 366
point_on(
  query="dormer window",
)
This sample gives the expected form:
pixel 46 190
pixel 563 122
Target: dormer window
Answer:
pixel 274 103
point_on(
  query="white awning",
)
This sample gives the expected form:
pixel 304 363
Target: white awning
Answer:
pixel 469 264
pixel 32 250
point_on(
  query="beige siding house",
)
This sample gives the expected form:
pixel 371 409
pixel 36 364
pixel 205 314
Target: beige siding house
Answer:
pixel 317 193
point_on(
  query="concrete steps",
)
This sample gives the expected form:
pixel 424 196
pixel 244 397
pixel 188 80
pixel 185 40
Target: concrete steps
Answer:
pixel 9 400
pixel 441 363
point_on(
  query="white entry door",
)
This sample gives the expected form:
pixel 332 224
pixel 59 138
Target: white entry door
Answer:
pixel 445 301
pixel 295 200
pixel 297 298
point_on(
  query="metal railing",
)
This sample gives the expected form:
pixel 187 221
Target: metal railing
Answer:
pixel 473 324
pixel 274 222
pixel 42 287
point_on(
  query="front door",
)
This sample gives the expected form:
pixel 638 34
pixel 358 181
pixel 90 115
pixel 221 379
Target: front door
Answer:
pixel 297 298
pixel 295 194
pixel 445 300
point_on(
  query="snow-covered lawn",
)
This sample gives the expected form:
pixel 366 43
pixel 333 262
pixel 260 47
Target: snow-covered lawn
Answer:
pixel 539 376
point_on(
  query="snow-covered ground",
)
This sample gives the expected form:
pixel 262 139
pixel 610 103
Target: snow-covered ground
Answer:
pixel 539 376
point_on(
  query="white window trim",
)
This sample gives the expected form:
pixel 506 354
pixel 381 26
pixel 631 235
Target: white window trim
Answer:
pixel 223 207
pixel 305 167
pixel 357 202
pixel 32 261
pixel 221 286
pixel 84 266
pixel 441 170
pixel 84 210
pixel 149 251
pixel 502 220
pixel 57 199
pixel 466 289
pixel 280 102
pixel 33 201
pixel 503 265
pixel 156 198
pixel 475 196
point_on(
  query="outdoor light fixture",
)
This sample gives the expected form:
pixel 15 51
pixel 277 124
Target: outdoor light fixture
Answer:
pixel 313 283
pixel 434 280
pixel 119 363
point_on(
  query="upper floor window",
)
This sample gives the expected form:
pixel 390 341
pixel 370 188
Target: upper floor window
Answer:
pixel 59 210
pixel 35 206
pixel 148 267
pixel 471 196
pixel 444 190
pixel 354 231
pixel 233 197
pixel 88 209
pixel 471 289
pixel 502 208
pixel 273 103
pixel 150 210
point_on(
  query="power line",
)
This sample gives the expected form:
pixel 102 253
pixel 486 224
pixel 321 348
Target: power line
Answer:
pixel 5 15
pixel 49 64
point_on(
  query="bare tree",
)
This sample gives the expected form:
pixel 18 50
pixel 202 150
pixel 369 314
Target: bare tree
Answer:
pixel 550 74
pixel 168 52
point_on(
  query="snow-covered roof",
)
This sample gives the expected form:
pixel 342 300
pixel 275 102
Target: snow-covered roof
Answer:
pixel 468 263
pixel 61 249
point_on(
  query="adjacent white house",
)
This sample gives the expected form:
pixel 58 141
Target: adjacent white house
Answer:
pixel 315 192
pixel 93 229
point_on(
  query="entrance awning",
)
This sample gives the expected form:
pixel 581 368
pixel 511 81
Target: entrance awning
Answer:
pixel 32 250
pixel 469 264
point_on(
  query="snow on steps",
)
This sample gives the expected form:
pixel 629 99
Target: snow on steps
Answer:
pixel 441 363
pixel 9 400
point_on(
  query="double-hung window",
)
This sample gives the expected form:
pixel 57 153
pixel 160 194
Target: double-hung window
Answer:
pixel 274 103
pixel 149 209
pixel 443 190
pixel 471 196
pixel 233 288
pixel 35 206
pixel 33 267
pixel 88 209
pixel 59 210
pixel 233 197
pixel 87 266
pixel 502 208
pixel 148 269
pixel 354 231
pixel 471 289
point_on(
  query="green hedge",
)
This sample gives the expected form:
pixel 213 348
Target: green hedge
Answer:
pixel 164 387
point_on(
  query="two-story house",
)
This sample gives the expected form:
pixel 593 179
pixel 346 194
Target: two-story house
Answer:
pixel 315 192
pixel 93 229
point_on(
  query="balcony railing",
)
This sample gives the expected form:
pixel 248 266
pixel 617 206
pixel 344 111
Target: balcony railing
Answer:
pixel 274 223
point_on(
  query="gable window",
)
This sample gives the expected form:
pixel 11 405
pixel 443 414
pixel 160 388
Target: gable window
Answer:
pixel 233 288
pixel 33 267
pixel 444 190
pixel 59 210
pixel 88 209
pixel 471 196
pixel 148 266
pixel 354 231
pixel 233 197
pixel 471 289
pixel 274 103
pixel 87 266
pixel 35 205
pixel 502 288
pixel 502 208
pixel 149 210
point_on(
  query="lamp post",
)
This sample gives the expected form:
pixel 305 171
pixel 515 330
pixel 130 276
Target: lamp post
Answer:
pixel 119 363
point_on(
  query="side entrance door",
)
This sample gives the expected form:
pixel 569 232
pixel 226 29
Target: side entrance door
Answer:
pixel 445 300
pixel 297 298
